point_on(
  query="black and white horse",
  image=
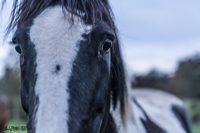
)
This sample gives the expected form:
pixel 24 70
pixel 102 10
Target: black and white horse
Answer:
pixel 72 75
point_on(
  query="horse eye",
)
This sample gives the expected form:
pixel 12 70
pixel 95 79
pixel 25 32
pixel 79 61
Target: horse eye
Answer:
pixel 107 45
pixel 18 49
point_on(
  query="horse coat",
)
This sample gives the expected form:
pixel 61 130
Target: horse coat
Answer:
pixel 153 111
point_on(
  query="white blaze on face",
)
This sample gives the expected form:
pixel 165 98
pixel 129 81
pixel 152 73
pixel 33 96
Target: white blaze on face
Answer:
pixel 56 43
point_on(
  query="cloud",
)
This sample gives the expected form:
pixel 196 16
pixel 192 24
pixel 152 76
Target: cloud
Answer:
pixel 157 20
pixel 157 34
pixel 141 57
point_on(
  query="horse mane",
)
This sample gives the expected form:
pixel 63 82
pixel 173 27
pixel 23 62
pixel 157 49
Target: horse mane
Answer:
pixel 27 10
pixel 118 80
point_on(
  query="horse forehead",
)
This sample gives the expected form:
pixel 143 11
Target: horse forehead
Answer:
pixel 56 43
pixel 53 25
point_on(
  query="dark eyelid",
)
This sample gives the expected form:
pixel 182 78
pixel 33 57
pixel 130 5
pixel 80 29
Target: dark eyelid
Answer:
pixel 111 37
pixel 109 34
pixel 14 40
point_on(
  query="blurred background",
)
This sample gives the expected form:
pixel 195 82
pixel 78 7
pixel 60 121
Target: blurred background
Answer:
pixel 160 45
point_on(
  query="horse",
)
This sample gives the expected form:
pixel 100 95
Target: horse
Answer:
pixel 72 74
pixel 161 108
pixel 4 113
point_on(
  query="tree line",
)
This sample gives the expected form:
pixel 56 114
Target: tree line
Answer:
pixel 185 82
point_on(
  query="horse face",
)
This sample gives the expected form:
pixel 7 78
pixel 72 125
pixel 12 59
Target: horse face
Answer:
pixel 65 73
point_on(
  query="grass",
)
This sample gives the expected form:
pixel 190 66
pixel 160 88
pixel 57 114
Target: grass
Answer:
pixel 196 128
pixel 18 122
pixel 193 106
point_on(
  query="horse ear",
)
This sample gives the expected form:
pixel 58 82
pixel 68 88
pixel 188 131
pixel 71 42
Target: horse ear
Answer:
pixel 118 81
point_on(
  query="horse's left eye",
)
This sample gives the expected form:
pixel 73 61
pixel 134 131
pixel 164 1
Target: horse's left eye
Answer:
pixel 18 49
pixel 107 45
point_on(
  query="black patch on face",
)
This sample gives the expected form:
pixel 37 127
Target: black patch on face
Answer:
pixel 89 90
pixel 183 117
pixel 28 73
pixel 149 125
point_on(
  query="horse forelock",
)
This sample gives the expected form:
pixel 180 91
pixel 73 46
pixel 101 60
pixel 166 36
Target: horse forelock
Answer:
pixel 27 10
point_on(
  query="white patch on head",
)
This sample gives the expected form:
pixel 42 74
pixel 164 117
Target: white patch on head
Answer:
pixel 56 43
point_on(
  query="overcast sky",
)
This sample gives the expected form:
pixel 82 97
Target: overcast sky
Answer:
pixel 157 33
pixel 154 33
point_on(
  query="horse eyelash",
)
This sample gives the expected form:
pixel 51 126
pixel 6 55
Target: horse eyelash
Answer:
pixel 11 43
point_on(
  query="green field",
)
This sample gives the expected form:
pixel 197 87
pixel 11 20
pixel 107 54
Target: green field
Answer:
pixel 17 123
pixel 196 128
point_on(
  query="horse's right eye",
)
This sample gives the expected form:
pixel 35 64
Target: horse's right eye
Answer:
pixel 18 49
